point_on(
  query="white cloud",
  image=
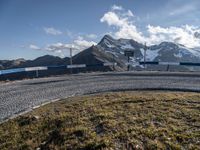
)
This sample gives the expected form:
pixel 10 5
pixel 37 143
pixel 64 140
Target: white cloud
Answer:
pixel 52 31
pixel 115 7
pixel 91 36
pixel 56 47
pixel 184 35
pixel 125 28
pixel 81 44
pixel 112 19
pixel 34 47
pixel 183 9
pixel 123 23
pixel 78 45
pixel 130 13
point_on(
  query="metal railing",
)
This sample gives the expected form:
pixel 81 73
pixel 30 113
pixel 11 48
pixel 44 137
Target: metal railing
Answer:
pixel 42 68
pixel 169 63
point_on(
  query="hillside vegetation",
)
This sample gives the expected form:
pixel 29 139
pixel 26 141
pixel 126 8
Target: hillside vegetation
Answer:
pixel 124 120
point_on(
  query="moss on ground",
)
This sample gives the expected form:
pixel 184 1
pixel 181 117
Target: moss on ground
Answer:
pixel 124 120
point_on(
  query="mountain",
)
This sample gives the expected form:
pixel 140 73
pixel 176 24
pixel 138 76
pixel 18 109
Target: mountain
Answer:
pixel 165 51
pixel 90 56
pixel 5 64
pixel 117 47
pixel 46 60
pixel 112 50
pixel 95 55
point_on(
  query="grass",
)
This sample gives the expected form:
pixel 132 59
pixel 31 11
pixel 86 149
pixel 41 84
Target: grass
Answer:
pixel 124 120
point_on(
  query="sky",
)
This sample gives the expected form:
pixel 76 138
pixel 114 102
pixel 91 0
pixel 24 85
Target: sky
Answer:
pixel 32 28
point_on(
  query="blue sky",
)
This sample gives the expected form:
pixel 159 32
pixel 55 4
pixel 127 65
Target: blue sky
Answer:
pixel 31 28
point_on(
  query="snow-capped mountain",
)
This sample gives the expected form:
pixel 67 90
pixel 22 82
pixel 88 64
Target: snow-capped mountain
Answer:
pixel 165 51
pixel 112 50
pixel 171 52
pixel 117 48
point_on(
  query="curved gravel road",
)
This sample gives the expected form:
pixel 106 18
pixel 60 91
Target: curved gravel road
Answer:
pixel 21 96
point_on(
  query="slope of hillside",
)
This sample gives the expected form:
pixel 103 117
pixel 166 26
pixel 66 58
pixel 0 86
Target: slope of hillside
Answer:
pixel 95 55
pixel 46 60
pixel 5 64
pixel 117 47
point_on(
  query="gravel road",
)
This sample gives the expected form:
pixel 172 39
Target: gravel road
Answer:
pixel 22 96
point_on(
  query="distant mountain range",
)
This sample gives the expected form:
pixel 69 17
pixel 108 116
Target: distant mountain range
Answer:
pixel 46 60
pixel 112 50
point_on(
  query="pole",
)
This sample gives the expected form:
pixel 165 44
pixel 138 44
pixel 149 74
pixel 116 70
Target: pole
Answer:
pixel 37 74
pixel 128 63
pixel 145 49
pixel 113 62
pixel 70 56
pixel 168 67
pixel 71 59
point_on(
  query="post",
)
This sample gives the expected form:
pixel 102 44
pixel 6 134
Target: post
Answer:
pixel 128 63
pixel 113 61
pixel 168 67
pixel 37 73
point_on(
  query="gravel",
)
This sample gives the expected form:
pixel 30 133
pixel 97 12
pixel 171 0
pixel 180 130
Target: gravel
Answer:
pixel 22 96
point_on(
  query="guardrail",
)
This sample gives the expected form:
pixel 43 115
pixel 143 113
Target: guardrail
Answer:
pixel 36 69
pixel 169 63
pixel 18 70
pixel 8 71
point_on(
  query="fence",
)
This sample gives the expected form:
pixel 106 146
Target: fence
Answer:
pixel 170 63
pixel 53 70
pixel 47 70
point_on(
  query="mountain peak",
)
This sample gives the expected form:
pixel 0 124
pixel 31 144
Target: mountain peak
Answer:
pixel 107 36
pixel 168 44
pixel 107 41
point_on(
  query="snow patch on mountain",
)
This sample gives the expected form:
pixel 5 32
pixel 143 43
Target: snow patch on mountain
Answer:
pixel 128 46
pixel 195 52
pixel 150 54
pixel 134 63
pixel 179 55
pixel 108 44
pixel 113 53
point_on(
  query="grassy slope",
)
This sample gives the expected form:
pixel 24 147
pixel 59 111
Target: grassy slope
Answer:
pixel 141 120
